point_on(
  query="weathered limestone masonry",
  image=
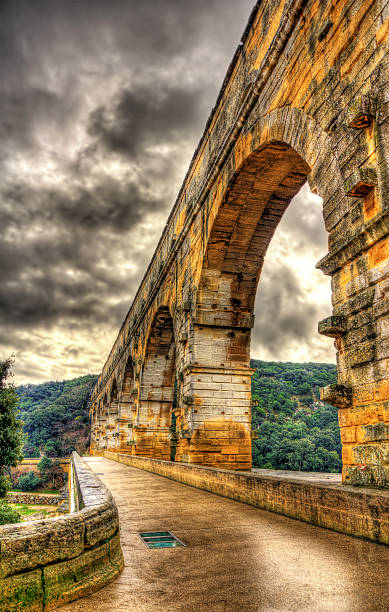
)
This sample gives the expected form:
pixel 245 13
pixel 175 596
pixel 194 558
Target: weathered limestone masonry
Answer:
pixel 44 564
pixel 306 97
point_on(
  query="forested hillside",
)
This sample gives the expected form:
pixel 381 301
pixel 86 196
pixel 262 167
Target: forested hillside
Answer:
pixel 55 416
pixel 296 431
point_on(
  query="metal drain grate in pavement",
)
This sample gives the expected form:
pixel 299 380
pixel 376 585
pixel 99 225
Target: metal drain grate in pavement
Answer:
pixel 160 539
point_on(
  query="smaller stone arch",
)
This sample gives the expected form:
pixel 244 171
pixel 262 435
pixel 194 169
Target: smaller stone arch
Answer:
pixel 93 414
pixel 127 408
pixel 112 417
pixel 102 422
pixel 152 428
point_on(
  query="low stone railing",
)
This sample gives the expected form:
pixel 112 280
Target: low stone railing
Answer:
pixel 357 511
pixel 47 563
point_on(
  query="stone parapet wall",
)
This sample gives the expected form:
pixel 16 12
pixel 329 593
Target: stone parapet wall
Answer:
pixel 47 563
pixel 358 512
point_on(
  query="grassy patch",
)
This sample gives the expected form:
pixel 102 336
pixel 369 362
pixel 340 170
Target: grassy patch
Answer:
pixel 26 510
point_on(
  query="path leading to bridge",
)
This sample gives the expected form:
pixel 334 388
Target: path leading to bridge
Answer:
pixel 237 558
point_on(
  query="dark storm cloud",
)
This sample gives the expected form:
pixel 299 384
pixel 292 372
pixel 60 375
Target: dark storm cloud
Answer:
pixel 102 104
pixel 147 117
pixel 282 313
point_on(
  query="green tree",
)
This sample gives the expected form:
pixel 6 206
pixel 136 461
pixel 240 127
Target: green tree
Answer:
pixel 52 448
pixel 29 481
pixel 44 466
pixel 51 471
pixel 295 430
pixel 10 426
pixel 55 416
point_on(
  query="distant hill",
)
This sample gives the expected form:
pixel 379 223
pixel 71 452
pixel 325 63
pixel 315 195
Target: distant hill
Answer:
pixel 296 431
pixel 55 416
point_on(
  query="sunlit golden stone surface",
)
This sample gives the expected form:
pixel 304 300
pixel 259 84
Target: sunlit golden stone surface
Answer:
pixel 306 97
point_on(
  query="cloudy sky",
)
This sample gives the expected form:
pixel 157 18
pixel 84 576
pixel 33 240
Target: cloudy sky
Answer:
pixel 102 103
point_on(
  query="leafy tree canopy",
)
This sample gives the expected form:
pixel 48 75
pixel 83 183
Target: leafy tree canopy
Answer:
pixel 10 426
pixel 56 416
pixel 296 431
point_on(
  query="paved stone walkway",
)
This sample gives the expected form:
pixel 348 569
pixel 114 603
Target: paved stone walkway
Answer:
pixel 237 558
pixel 318 477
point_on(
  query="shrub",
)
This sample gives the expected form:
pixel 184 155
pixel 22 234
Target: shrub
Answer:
pixel 4 485
pixel 29 481
pixel 8 514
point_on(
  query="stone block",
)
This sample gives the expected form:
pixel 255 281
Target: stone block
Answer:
pixel 363 394
pixel 100 524
pixel 360 182
pixel 361 354
pixel 382 349
pixel 381 391
pixel 31 545
pixel 333 327
pixel 366 475
pixel 337 395
pixel 361 112
pixel 22 592
pixel 356 337
pixel 348 435
pixel 360 301
pixel 83 575
pixel 375 433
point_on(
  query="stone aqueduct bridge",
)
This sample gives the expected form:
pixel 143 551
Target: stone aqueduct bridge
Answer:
pixel 306 97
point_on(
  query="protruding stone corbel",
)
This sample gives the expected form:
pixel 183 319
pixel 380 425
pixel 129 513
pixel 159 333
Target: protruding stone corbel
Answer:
pixel 334 326
pixel 361 112
pixel 337 395
pixel 325 28
pixel 360 182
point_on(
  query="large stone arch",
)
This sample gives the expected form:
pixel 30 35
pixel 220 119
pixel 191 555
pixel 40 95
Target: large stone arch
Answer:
pixel 154 414
pixel 267 167
pixel 264 174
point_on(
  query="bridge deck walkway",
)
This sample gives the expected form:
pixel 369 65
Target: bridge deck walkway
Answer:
pixel 238 558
